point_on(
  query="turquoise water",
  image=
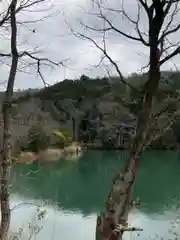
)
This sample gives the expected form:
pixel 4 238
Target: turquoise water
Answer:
pixel 74 192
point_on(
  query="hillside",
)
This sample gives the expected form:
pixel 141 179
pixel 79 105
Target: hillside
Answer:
pixel 90 109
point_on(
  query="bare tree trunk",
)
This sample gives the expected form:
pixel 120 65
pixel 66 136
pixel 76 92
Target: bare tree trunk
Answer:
pixel 112 223
pixel 7 139
pixel 119 200
pixel 5 171
pixel 73 128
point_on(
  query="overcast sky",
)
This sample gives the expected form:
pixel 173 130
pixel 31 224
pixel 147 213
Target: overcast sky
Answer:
pixel 53 39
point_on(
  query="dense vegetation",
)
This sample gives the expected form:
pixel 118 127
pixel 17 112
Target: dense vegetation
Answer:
pixel 94 88
pixel 82 98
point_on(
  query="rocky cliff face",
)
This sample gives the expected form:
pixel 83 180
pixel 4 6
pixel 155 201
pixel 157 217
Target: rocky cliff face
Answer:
pixel 90 110
pixel 25 115
pixel 89 123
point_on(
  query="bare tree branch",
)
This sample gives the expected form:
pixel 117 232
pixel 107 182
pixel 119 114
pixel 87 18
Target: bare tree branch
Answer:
pixel 39 62
pixel 173 14
pixel 145 6
pixel 23 5
pixel 168 5
pixel 5 55
pixel 6 151
pixel 117 212
pixel 167 126
pixel 165 109
pixel 17 57
pixel 171 55
pixel 166 33
pixel 112 27
pixel 80 35
pixel 27 4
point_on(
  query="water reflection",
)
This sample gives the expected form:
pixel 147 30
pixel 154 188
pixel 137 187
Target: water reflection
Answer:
pixel 75 192
pixel 59 224
pixel 74 225
pixel 84 185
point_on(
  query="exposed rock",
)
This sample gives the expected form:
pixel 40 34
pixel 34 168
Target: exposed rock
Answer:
pixel 26 157
pixel 50 154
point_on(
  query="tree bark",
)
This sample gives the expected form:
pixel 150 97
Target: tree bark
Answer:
pixel 7 139
pixel 119 200
pixel 5 171
pixel 112 222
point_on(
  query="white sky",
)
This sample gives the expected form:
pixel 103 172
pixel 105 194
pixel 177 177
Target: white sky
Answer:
pixel 54 40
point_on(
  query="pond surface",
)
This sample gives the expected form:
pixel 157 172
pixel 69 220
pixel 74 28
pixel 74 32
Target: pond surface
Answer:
pixel 74 192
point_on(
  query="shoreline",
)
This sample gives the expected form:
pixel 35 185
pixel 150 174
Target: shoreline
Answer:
pixel 49 154
pixel 54 154
pixel 89 148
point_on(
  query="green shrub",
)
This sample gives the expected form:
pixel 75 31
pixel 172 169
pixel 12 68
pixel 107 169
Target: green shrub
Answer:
pixel 63 138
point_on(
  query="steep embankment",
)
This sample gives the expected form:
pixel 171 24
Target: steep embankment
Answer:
pixel 97 101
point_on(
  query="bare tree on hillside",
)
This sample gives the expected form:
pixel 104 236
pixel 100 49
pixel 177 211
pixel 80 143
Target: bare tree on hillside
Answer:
pixel 161 22
pixel 8 20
